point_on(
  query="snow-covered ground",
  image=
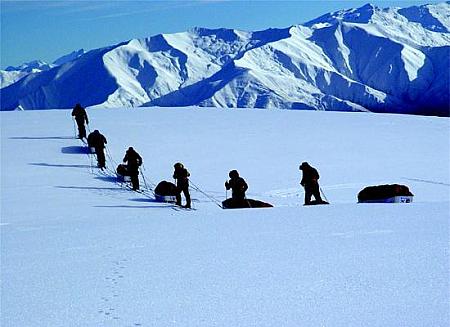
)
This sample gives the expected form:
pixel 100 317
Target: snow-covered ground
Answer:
pixel 78 250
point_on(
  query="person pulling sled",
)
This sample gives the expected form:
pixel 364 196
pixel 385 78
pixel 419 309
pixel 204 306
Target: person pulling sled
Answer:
pixel 237 185
pixel 80 117
pixel 181 175
pixel 238 199
pixel 98 141
pixel 133 161
pixel 310 182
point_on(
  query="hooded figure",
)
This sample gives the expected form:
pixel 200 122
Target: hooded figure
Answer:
pixel 181 175
pixel 80 117
pixel 98 141
pixel 237 184
pixel 134 161
pixel 310 181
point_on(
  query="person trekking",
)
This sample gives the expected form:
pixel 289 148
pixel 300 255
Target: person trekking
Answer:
pixel 237 185
pixel 134 161
pixel 181 175
pixel 80 117
pixel 98 141
pixel 310 181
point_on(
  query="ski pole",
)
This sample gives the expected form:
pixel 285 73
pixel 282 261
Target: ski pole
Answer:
pixel 153 185
pixel 323 194
pixel 143 177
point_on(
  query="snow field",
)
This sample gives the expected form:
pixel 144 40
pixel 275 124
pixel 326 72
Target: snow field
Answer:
pixel 78 250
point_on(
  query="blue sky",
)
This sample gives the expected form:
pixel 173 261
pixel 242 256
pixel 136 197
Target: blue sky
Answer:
pixel 47 30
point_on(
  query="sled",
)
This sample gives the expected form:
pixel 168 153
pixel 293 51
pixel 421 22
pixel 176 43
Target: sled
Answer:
pixel 394 193
pixel 123 178
pixel 166 192
pixel 246 203
pixel 165 198
pixel 394 199
pixel 122 174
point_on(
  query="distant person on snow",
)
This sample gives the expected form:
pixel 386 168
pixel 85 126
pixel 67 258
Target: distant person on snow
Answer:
pixel 181 175
pixel 134 161
pixel 80 117
pixel 237 185
pixel 98 141
pixel 310 181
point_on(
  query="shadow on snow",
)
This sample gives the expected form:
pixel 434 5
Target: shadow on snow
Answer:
pixel 90 188
pixel 44 164
pixel 41 138
pixel 75 149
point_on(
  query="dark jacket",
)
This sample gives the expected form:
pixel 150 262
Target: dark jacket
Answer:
pixel 310 176
pixel 238 187
pixel 182 176
pixel 96 140
pixel 133 160
pixel 80 115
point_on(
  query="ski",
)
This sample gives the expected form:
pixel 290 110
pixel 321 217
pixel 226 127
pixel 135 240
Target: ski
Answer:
pixel 181 208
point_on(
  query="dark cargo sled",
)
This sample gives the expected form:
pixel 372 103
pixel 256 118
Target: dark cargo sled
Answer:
pixel 122 173
pixel 246 203
pixel 166 192
pixel 394 193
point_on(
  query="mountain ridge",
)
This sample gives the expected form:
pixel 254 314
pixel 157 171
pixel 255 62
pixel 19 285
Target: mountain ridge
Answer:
pixel 319 65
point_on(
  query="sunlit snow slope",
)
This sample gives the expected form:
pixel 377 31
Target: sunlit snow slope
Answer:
pixel 79 250
pixel 364 59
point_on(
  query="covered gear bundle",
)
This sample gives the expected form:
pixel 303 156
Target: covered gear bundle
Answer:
pixel 123 174
pixel 394 193
pixel 244 203
pixel 166 192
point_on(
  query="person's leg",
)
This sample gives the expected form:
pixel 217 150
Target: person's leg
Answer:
pixel 308 195
pixel 187 196
pixel 81 131
pixel 100 157
pixel 178 197
pixel 135 181
pixel 316 193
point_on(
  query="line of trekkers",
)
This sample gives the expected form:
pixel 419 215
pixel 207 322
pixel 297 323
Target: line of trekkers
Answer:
pixel 166 191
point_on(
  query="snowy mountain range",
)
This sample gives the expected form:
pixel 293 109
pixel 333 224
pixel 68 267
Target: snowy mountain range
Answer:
pixel 364 59
pixel 12 74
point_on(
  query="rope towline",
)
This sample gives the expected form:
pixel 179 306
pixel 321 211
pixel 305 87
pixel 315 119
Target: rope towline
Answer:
pixel 148 189
pixel 195 187
pixel 108 172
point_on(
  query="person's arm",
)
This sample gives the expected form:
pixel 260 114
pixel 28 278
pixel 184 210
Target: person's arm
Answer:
pixel 315 175
pixel 244 186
